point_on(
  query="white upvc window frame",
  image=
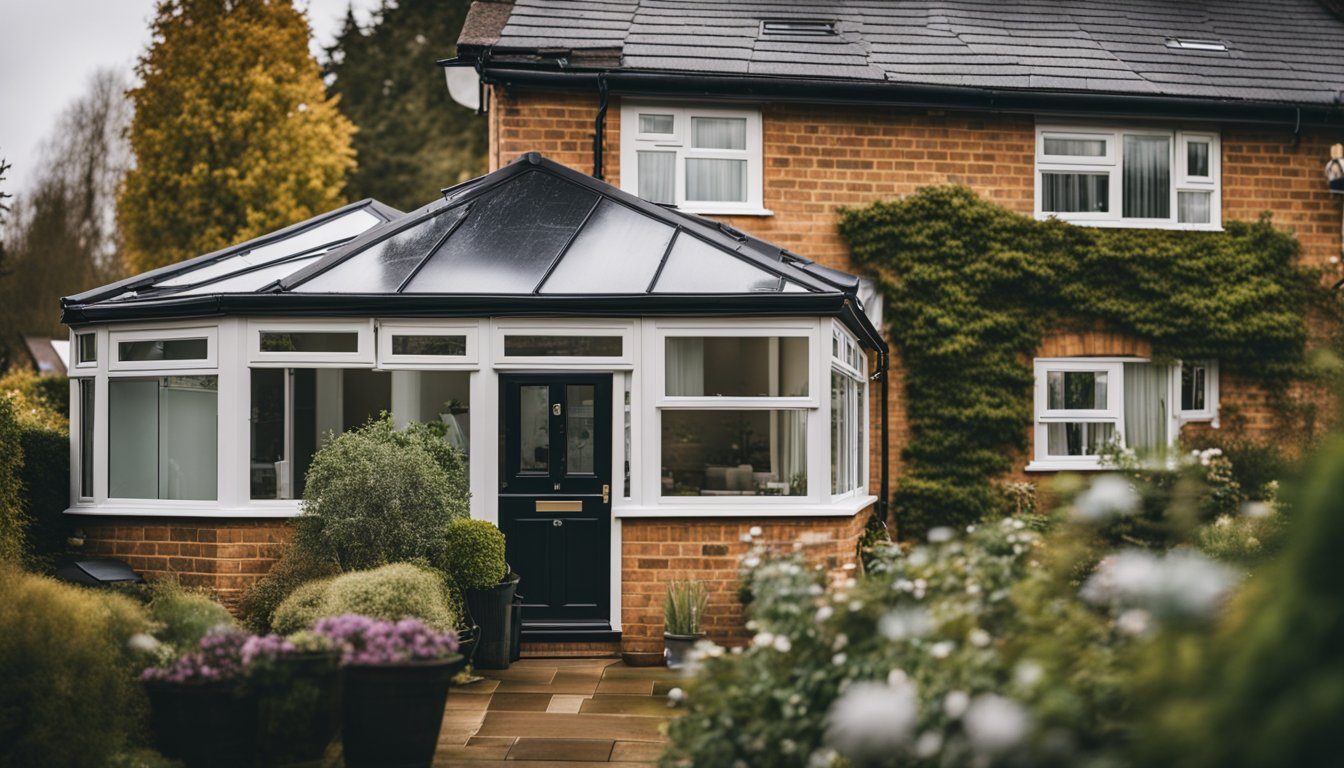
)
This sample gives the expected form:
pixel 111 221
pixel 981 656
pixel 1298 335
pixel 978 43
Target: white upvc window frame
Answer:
pixel 1112 163
pixel 164 333
pixel 1113 413
pixel 849 359
pixel 78 365
pixel 1209 412
pixel 624 329
pixel 679 143
pixel 364 355
pixel 388 361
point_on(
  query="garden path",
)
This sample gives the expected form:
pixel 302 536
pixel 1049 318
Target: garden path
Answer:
pixel 558 713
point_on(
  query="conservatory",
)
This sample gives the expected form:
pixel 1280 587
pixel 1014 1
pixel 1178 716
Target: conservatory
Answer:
pixel 604 362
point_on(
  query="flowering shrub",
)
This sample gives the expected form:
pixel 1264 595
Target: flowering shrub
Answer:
pixel 363 640
pixel 218 658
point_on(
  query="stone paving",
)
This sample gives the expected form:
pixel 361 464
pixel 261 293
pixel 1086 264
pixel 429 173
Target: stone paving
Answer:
pixel 554 713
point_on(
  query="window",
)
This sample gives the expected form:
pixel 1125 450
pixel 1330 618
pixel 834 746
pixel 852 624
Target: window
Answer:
pixel 423 345
pixel 703 159
pixel 163 349
pixel 310 343
pixel 86 421
pixel 1134 177
pixel 562 346
pixel 86 349
pixel 163 437
pixel 1085 405
pixel 849 414
pixel 157 349
pixel 736 366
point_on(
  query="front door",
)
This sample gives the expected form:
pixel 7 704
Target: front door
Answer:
pixel 555 498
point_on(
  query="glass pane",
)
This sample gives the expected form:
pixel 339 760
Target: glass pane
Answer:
pixel 1078 438
pixel 1193 207
pixel 510 238
pixel 655 123
pixel 1076 147
pixel 694 266
pixel 255 280
pixel 86 418
pixel 429 345
pixel 562 346
pixel 1076 390
pixel 385 265
pixel 1147 408
pixel 88 347
pixel 267 420
pixel 839 425
pixel 162 349
pixel 618 251
pixel 716 180
pixel 1147 177
pixel 1075 192
pixel 309 341
pixel 1193 389
pixel 719 132
pixel 579 426
pixel 736 366
pixel 163 437
pixel 627 436
pixel 734 453
pixel 1197 158
pixel 534 424
pixel 657 176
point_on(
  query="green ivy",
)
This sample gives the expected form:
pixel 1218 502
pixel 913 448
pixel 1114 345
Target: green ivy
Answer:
pixel 971 286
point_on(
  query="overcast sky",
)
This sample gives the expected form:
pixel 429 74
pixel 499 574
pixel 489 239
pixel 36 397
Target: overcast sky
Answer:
pixel 48 49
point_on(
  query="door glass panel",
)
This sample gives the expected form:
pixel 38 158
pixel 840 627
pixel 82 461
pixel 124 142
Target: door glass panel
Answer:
pixel 1076 390
pixel 534 444
pixel 579 428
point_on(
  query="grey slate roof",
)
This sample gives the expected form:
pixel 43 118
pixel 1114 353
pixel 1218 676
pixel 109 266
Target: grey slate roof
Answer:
pixel 1279 51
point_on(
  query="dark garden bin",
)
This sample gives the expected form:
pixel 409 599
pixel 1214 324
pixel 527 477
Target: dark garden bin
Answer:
pixel 203 724
pixel 392 712
pixel 492 609
pixel 516 625
pixel 300 708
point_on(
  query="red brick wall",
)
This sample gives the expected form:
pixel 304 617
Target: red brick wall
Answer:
pixel 223 556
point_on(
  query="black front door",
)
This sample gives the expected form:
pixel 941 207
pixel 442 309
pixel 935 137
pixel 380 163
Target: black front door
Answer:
pixel 555 498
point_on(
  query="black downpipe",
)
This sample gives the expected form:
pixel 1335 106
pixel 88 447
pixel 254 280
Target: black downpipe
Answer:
pixel 599 127
pixel 883 503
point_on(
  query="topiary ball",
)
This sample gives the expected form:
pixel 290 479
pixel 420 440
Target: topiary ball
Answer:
pixel 474 554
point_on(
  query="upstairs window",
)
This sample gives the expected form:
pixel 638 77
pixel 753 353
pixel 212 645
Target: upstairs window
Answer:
pixel 706 160
pixel 1128 178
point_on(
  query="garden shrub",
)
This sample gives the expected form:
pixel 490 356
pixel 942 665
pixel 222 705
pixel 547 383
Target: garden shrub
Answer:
pixel 69 695
pixel 474 555
pixel 376 495
pixel 970 287
pixel 390 592
pixel 46 476
pixel 294 568
pixel 182 616
pixel 13 518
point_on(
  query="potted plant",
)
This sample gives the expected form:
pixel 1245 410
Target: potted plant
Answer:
pixel 474 560
pixel 298 684
pixel 682 613
pixel 201 710
pixel 396 683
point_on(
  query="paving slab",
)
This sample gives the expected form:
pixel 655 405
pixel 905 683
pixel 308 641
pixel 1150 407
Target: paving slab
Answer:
pixel 621 704
pixel 562 749
pixel 519 702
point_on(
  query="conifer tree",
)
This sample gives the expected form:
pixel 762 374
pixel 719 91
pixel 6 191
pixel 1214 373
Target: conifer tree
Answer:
pixel 233 135
pixel 413 138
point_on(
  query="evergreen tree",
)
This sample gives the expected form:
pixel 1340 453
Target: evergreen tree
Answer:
pixel 413 138
pixel 233 133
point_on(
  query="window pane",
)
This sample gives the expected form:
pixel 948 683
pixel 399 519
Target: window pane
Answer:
pixel 617 251
pixel 562 346
pixel 1078 438
pixel 736 366
pixel 579 426
pixel 627 436
pixel 86 418
pixel 1147 177
pixel 429 345
pixel 1193 207
pixel 309 341
pixel 267 422
pixel 163 349
pixel 385 265
pixel 716 180
pixel 1076 147
pixel 734 453
pixel 1193 388
pixel 1147 406
pixel 534 423
pixel 163 437
pixel 88 347
pixel 694 266
pixel 1076 390
pixel 655 123
pixel 1197 158
pixel 1075 192
pixel 658 177
pixel 719 132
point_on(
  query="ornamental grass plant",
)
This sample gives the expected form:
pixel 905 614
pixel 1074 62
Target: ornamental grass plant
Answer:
pixel 685 606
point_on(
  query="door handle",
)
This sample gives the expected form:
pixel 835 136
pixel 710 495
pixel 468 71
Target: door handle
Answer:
pixel 558 523
pixel 606 494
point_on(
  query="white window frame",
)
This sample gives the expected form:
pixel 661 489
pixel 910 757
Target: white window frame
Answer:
pixel 168 333
pixel 363 356
pixel 678 142
pixel 88 366
pixel 1210 410
pixel 623 329
pixel 1113 164
pixel 845 347
pixel 389 361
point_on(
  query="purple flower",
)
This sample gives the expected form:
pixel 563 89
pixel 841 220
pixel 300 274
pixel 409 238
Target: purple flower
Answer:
pixel 219 656
pixel 363 640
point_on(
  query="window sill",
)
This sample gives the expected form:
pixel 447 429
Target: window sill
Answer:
pixel 1132 224
pixel 706 210
pixel 847 507
pixel 1062 466
pixel 160 508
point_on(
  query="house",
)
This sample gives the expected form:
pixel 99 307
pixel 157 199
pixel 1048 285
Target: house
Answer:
pixel 610 366
pixel 47 356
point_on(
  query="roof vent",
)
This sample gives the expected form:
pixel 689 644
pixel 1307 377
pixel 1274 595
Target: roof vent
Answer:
pixel 1196 44
pixel 810 27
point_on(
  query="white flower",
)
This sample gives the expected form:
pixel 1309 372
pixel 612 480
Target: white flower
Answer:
pixel 763 639
pixel 143 643
pixel 303 107
pixel 904 623
pixel 869 721
pixel 746 537
pixel 855 606
pixel 841 640
pixel 824 612
pixel 1256 509
pixel 995 725
pixel 783 644
pixel 1108 497
pixel 839 659
pixel 675 697
pixel 1178 585
pixel 972 589
pixel 752 561
pixel 955 704
pixel 904 585
pixel 940 535
pixel 1018 525
pixel 970 528
pixel 928 744
pixel 1134 621
pixel 979 638
pixel 822 758
pixel 754 530
pixel 897 677
pixel 1028 673
pixel 943 649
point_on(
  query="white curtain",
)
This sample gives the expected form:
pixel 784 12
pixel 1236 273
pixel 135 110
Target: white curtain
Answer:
pixel 1078 438
pixel 1076 147
pixel 1192 207
pixel 719 132
pixel 716 180
pixel 684 366
pixel 1146 407
pixel 792 446
pixel 1075 192
pixel 657 177
pixel 1147 177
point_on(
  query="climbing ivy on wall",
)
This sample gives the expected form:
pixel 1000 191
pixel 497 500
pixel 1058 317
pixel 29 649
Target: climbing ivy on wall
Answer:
pixel 971 286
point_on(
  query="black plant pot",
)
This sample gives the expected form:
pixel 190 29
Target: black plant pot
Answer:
pixel 467 640
pixel 203 724
pixel 392 712
pixel 492 609
pixel 300 707
pixel 516 625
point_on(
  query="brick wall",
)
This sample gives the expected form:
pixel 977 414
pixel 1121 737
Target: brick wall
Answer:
pixel 223 556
